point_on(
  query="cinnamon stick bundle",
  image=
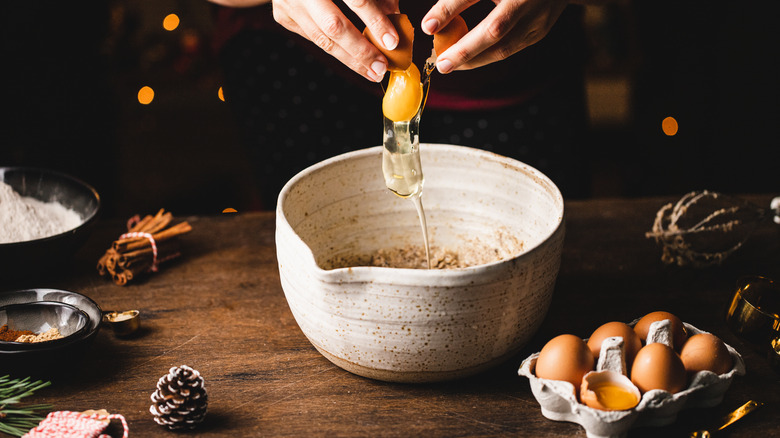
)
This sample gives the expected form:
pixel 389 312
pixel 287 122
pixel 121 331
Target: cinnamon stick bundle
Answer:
pixel 148 242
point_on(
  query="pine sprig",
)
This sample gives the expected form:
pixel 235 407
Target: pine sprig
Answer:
pixel 20 419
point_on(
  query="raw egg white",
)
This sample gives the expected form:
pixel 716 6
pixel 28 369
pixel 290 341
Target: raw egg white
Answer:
pixel 706 351
pixel 658 366
pixel 565 357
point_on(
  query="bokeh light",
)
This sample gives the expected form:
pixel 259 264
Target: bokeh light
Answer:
pixel 145 95
pixel 221 94
pixel 669 126
pixel 171 22
pixel 230 210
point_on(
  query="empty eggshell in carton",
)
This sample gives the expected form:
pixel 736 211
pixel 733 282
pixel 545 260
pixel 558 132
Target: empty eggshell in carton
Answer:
pixel 655 408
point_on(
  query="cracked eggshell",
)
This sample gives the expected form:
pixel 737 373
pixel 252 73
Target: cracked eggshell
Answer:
pixel 450 34
pixel 656 408
pixel 627 396
pixel 399 58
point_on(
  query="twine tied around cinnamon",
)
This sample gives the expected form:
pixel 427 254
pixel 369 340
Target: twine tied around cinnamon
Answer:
pixel 152 243
pixel 147 243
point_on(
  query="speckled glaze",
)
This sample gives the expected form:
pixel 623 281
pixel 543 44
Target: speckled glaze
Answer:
pixel 416 325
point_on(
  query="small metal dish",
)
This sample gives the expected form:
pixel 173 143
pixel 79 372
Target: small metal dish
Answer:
pixel 124 323
pixel 67 353
pixel 40 317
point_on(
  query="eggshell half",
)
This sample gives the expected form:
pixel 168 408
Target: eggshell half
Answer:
pixel 609 391
pixel 401 57
pixel 450 34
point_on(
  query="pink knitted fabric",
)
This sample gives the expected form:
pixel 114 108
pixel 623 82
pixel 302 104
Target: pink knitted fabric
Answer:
pixel 69 424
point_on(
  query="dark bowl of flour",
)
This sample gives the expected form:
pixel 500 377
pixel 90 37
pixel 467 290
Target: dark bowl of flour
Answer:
pixel 45 217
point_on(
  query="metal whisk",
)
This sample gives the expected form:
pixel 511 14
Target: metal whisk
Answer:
pixel 703 227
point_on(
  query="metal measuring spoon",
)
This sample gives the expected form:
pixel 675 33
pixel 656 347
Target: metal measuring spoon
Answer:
pixel 729 419
pixel 123 323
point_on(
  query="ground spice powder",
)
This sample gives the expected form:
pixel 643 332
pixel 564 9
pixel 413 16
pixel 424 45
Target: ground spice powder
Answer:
pixel 9 335
pixel 28 336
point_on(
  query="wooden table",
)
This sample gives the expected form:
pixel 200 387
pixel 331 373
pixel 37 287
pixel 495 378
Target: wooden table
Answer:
pixel 220 309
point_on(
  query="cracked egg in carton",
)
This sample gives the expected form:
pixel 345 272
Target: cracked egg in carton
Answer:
pixel 560 400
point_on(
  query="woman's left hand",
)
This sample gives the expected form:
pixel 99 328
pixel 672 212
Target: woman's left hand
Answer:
pixel 509 28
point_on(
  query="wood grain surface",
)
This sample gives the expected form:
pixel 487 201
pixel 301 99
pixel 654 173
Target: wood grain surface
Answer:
pixel 220 309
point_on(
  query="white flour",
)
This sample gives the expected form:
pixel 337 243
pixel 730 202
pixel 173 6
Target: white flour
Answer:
pixel 23 218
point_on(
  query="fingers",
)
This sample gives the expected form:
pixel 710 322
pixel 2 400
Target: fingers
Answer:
pixel 323 23
pixel 374 16
pixel 495 38
pixel 510 27
pixel 335 34
pixel 442 12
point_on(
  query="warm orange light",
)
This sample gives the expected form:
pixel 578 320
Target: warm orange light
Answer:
pixel 145 95
pixel 230 210
pixel 221 94
pixel 171 22
pixel 669 126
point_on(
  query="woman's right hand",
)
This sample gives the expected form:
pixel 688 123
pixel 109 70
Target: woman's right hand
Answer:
pixel 323 23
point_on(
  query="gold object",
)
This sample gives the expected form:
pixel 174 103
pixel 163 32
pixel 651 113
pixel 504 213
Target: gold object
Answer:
pixel 730 418
pixel 123 323
pixel 774 354
pixel 754 313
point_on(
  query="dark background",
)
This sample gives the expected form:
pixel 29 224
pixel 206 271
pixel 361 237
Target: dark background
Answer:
pixel 72 71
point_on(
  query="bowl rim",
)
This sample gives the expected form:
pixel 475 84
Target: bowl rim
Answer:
pixel 412 275
pixel 85 221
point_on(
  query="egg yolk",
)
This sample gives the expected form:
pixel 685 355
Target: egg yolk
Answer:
pixel 404 94
pixel 614 397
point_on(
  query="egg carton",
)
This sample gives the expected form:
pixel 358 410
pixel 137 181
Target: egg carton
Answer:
pixel 656 407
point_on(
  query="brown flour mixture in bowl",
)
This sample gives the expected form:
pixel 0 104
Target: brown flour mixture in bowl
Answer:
pixel 413 257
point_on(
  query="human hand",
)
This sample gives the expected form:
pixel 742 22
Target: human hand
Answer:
pixel 510 27
pixel 323 23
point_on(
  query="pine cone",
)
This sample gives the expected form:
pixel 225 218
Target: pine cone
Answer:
pixel 180 401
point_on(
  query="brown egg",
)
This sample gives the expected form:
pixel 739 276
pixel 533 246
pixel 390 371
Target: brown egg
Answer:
pixel 401 57
pixel 642 327
pixel 706 351
pixel 450 34
pixel 564 357
pixel 658 366
pixel 631 341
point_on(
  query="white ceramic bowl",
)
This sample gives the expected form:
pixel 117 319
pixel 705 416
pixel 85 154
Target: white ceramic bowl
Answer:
pixel 418 325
